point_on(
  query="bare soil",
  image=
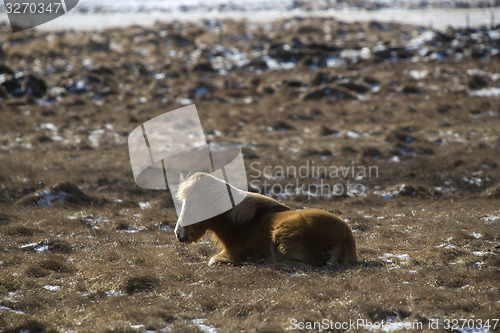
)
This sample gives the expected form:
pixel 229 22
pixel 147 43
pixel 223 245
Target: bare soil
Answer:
pixel 82 248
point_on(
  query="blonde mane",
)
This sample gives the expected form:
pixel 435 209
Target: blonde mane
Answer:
pixel 186 183
pixel 247 209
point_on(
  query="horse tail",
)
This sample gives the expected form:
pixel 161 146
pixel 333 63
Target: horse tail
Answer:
pixel 350 248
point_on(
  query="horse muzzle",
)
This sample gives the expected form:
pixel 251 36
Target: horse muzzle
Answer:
pixel 181 238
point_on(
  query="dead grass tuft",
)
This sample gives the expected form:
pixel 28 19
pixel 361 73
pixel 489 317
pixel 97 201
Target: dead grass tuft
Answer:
pixel 5 219
pixel 36 271
pixel 8 286
pixel 60 246
pixel 451 254
pixel 22 231
pixel 63 193
pixel 140 284
pixel 122 225
pixel 244 310
pixel 455 282
pixel 31 326
pixel 56 265
pixel 379 314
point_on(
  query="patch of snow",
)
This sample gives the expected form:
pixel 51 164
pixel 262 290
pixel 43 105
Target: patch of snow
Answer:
pixel 200 91
pixel 95 137
pixel 133 230
pixel 334 62
pixel 473 181
pixel 159 76
pixel 352 134
pixel 487 92
pixel 114 293
pixel 419 41
pixel 47 198
pixel 491 217
pixel 481 253
pixel 445 190
pixel 391 194
pixel 81 86
pixel 274 64
pixel 51 288
pixel 49 126
pixel 394 159
pixel 227 59
pixel 6 308
pixel 144 205
pixel 217 133
pixel 28 245
pixel 355 55
pixel 56 138
pixel 418 75
pixel 202 326
pixel 185 101
pixel 137 327
pixel 447 244
pixel 165 227
pixel 479 265
pixel 388 257
pixel 41 248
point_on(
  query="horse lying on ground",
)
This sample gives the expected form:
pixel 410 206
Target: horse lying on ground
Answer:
pixel 261 229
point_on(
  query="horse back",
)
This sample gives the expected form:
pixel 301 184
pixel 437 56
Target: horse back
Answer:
pixel 313 236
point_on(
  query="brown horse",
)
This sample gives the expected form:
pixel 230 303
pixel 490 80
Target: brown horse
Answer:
pixel 262 229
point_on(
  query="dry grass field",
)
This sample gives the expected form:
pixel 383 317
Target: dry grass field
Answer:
pixel 83 249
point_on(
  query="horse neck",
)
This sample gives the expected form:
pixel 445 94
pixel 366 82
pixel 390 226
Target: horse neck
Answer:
pixel 220 224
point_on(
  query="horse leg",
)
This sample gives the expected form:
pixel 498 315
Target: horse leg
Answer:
pixel 333 260
pixel 221 258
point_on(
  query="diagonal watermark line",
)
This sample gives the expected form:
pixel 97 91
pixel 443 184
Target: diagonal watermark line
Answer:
pixel 223 175
pixel 147 144
pixel 227 185
pixel 212 165
pixel 63 3
pixel 164 173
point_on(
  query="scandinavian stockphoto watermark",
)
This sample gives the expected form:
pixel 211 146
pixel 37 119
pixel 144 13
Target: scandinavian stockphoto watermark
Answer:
pixel 311 180
pixel 169 148
pixel 358 324
pixel 391 324
pixel 26 14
